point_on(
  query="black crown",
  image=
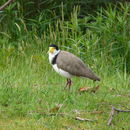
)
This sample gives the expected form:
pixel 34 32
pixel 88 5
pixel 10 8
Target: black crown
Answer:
pixel 55 46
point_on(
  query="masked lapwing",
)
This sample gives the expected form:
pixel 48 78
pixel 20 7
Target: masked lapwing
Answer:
pixel 69 65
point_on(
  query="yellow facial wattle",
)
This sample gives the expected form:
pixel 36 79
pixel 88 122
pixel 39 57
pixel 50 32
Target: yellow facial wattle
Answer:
pixel 51 49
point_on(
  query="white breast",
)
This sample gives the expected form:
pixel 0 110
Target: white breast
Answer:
pixel 58 70
pixel 61 72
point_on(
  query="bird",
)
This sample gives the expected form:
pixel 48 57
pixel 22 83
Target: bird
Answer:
pixel 69 65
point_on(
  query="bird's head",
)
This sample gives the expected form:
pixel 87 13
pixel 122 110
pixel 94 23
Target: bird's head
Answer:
pixel 53 49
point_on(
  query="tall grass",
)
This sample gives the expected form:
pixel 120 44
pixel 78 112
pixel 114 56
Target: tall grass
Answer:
pixel 104 35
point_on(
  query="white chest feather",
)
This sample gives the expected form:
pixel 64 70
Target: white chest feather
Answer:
pixel 61 72
pixel 58 70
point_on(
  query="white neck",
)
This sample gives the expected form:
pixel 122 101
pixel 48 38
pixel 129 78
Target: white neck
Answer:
pixel 52 55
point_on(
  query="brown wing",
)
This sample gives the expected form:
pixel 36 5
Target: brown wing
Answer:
pixel 72 64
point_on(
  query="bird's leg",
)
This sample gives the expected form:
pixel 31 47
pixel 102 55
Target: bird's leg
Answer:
pixel 67 83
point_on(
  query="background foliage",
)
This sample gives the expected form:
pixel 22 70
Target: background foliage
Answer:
pixel 98 27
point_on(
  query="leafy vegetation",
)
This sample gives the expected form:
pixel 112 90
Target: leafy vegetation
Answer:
pixel 29 87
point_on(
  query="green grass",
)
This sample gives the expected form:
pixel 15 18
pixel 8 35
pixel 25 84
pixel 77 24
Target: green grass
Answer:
pixel 29 87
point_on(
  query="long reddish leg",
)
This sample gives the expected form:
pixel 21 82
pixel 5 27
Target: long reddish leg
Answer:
pixel 68 83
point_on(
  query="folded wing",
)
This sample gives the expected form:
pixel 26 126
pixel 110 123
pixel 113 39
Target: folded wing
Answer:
pixel 72 64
